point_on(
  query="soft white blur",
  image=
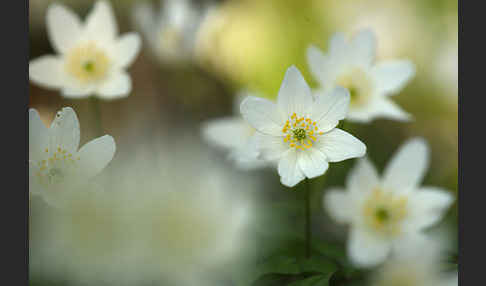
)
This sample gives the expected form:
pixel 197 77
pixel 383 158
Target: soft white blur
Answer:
pixel 418 262
pixel 170 29
pixel 173 216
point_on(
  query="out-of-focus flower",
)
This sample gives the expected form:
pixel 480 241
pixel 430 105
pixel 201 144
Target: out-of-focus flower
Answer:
pixel 446 72
pixel 415 264
pixel 163 218
pixel 299 132
pixel 351 64
pixel 91 59
pixel 172 32
pixel 383 213
pixel 56 166
pixel 398 31
pixel 234 134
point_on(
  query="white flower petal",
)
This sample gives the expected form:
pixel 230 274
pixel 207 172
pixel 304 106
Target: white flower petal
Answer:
pixel 363 46
pixel 118 85
pixel 227 132
pixel 318 63
pixel 391 76
pixel 76 91
pixel 34 186
pixel 330 107
pixel 338 145
pixel 428 205
pixel 365 249
pixel 338 44
pixel 338 205
pixel 126 49
pixel 47 71
pixel 95 155
pixel 363 177
pixel 64 131
pixel 63 27
pixel 38 136
pixel 407 168
pixel 247 157
pixel 263 115
pixel 383 107
pixel 270 147
pixel 379 107
pixel 288 169
pixel 101 22
pixel 294 94
pixel 312 162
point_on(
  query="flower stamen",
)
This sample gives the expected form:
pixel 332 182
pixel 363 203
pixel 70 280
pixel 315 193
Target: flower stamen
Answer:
pixel 301 132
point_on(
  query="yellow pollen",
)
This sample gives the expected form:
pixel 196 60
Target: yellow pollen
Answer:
pixel 87 63
pixel 300 132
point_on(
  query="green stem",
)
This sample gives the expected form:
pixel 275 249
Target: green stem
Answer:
pixel 344 125
pixel 307 219
pixel 95 105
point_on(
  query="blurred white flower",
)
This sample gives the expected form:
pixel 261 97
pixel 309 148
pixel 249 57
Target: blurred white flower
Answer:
pixel 234 134
pixel 56 166
pixel 398 32
pixel 416 263
pixel 171 33
pixel 383 213
pixel 91 59
pixel 176 217
pixel 351 64
pixel 298 131
pixel 446 72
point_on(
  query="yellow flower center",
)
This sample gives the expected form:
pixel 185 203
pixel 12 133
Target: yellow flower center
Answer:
pixel 300 133
pixel 57 167
pixel 359 85
pixel 384 212
pixel 87 63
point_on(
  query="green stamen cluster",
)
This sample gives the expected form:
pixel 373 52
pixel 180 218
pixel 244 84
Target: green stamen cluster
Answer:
pixel 299 134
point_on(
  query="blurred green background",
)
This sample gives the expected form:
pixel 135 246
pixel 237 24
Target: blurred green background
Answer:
pixel 251 46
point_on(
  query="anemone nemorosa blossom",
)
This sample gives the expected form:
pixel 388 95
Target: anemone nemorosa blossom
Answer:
pixel 386 212
pixel 91 59
pixel 351 64
pixel 56 166
pixel 299 131
pixel 171 31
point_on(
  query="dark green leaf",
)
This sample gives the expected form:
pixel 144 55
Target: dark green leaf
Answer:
pixel 316 280
pixel 317 264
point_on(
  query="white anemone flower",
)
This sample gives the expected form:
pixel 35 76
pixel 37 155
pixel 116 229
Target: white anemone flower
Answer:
pixel 383 213
pixel 351 64
pixel 234 134
pixel 170 33
pixel 416 263
pixel 300 132
pixel 56 166
pixel 91 59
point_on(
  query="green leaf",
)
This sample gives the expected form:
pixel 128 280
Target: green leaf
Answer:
pixel 273 280
pixel 316 280
pixel 294 268
pixel 281 264
pixel 318 265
